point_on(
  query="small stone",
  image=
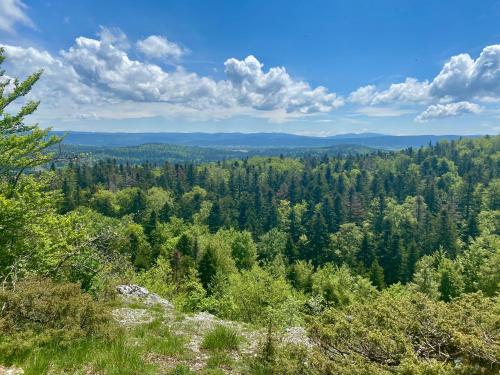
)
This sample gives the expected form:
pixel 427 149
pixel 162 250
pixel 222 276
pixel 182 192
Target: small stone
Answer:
pixel 13 370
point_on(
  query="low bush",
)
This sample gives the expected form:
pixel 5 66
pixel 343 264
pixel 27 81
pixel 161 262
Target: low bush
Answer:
pixel 41 312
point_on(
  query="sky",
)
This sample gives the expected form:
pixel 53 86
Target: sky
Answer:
pixel 305 67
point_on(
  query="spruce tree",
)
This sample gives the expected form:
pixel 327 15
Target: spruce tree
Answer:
pixel 207 267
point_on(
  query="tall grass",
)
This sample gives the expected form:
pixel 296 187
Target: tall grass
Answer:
pixel 221 338
pixel 113 357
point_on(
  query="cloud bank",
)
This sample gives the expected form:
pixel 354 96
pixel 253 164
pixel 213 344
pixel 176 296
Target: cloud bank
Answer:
pixel 452 92
pixel 98 72
pixel 108 76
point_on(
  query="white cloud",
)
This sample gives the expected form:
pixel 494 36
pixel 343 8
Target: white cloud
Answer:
pixel 409 91
pixel 462 77
pixel 447 110
pixel 13 12
pixel 383 111
pixel 461 81
pixel 98 77
pixel 276 89
pixel 160 47
pixel 104 65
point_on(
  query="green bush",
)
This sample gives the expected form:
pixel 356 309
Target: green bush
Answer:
pixel 40 311
pixel 409 333
pixel 221 338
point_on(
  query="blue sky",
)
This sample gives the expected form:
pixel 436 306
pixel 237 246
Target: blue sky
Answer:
pixel 307 67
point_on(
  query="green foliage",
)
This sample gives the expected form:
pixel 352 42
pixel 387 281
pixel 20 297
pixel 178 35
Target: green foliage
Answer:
pixel 345 244
pixel 22 146
pixel 40 312
pixel 271 244
pixel 255 296
pixel 301 276
pixel 220 338
pixel 157 279
pixel 339 287
pixel 400 331
pixel 181 370
pixel 243 250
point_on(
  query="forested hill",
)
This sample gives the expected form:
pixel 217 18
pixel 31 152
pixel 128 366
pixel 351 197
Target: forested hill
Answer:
pixel 388 262
pixel 160 153
pixel 252 140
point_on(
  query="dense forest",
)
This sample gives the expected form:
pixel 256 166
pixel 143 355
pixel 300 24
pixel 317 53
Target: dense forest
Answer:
pixel 157 153
pixel 389 260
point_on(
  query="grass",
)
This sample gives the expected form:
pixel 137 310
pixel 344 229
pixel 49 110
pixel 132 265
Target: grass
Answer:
pixel 155 337
pixel 122 354
pixel 116 357
pixel 181 370
pixel 219 359
pixel 221 338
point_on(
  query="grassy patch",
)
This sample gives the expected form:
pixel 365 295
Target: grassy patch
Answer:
pixel 122 354
pixel 221 338
pixel 181 370
pixel 114 357
pixel 219 359
pixel 155 337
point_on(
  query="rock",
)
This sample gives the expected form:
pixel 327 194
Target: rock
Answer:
pixel 296 336
pixel 133 292
pixel 13 370
pixel 126 316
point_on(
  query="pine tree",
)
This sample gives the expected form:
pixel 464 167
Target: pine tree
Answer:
pixel 215 217
pixel 446 236
pixel 366 254
pixel 21 146
pixel 185 246
pixel 207 267
pixel 377 275
pixel 338 213
pixel 291 251
pixel 139 206
pixel 318 239
pixel 166 212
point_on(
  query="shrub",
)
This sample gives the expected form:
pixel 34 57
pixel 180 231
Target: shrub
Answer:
pixel 40 312
pixel 409 333
pixel 221 338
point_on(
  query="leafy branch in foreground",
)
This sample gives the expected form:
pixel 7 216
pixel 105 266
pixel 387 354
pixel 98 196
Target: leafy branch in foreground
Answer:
pixel 21 146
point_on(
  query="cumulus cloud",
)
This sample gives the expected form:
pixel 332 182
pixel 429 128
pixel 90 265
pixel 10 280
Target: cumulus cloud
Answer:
pixel 409 91
pixel 448 110
pixel 59 82
pixel 462 77
pixel 461 81
pixel 156 46
pixel 275 89
pixel 13 12
pixel 102 64
pixel 98 76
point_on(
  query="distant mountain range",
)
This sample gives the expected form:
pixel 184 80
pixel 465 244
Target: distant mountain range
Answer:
pixel 251 140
